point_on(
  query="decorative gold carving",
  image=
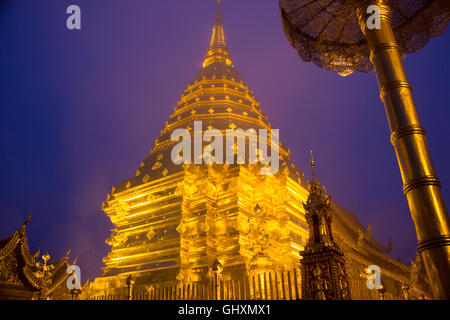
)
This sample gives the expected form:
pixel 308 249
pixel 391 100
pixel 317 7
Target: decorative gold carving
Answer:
pixel 9 269
pixel 319 284
pixel 150 234
pixel 157 165
pixel 258 235
pixel 360 238
pixel 416 268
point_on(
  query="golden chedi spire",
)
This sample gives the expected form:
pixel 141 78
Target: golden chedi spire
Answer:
pixel 218 50
pixel 219 97
pixel 218 36
pixel 158 229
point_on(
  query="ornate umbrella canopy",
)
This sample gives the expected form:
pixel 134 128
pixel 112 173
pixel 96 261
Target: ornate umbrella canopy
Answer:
pixel 327 32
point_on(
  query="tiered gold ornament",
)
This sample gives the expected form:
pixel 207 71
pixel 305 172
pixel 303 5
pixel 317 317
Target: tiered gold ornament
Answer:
pixel 324 275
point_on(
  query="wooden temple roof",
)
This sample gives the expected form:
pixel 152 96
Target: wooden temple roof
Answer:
pixel 19 271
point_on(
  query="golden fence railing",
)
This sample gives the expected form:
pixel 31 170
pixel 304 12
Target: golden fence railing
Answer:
pixel 281 285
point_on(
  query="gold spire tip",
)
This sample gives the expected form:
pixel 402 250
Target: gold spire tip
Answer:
pixel 311 162
pixel 312 159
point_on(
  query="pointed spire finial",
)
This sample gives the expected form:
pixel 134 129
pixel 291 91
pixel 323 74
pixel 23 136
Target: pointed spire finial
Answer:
pixel 218 37
pixel 28 219
pixel 311 162
pixel 217 50
pixel 218 12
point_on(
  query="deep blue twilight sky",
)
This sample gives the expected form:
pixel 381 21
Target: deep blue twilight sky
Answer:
pixel 80 110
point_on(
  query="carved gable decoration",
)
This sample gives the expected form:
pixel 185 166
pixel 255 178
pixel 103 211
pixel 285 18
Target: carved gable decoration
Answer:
pixel 20 276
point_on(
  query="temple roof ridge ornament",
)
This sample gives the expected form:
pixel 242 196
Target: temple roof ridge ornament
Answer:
pixel 31 279
pixel 28 219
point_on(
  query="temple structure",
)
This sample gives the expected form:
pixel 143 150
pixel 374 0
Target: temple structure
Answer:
pixel 22 278
pixel 324 273
pixel 175 224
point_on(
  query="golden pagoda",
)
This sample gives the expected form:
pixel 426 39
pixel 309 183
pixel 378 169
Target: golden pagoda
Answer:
pixel 210 231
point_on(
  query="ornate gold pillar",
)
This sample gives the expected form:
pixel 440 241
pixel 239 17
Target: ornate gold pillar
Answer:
pixel 421 186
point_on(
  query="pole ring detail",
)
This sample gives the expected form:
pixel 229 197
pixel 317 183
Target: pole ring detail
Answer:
pixel 442 241
pixel 394 85
pixel 420 182
pixel 405 131
pixel 386 46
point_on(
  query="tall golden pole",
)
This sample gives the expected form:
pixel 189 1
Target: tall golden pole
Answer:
pixel 420 184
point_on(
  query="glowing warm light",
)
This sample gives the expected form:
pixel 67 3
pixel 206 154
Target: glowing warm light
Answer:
pixel 136 197
pixel 197 215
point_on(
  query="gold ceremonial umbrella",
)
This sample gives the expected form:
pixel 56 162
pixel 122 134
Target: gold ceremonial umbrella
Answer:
pixel 348 35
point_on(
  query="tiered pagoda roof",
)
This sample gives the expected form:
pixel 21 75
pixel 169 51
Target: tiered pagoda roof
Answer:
pixel 218 97
pixel 19 272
